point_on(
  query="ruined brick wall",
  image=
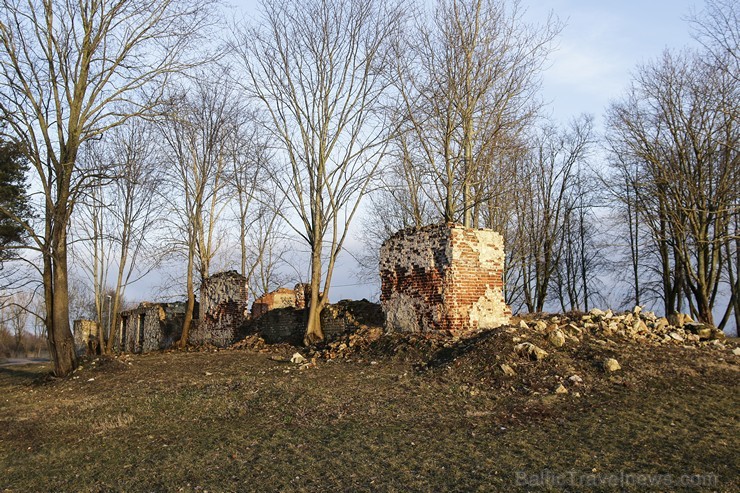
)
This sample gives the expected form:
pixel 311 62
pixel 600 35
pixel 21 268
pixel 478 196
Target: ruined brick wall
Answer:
pixel 223 309
pixel 443 277
pixel 289 324
pixel 85 336
pixel 150 327
pixel 280 298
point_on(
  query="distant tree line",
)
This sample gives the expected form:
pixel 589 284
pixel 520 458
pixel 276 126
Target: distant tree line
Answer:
pixel 156 137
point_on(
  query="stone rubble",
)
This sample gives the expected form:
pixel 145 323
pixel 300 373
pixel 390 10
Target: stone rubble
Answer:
pixel 529 350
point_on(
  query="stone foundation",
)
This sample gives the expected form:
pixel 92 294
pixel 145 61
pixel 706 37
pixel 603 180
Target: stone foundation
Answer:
pixel 443 277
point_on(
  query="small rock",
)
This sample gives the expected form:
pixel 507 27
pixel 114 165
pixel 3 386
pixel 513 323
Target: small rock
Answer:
pixel 661 323
pixel 639 326
pixel 609 314
pixel 523 325
pixel 208 373
pixel 560 389
pixel 556 338
pixel 736 351
pixel 676 336
pixel 529 350
pixel 575 379
pixel 573 329
pixel 298 359
pixel 636 310
pixel 541 325
pixel 610 364
pixel 596 312
pixel 508 371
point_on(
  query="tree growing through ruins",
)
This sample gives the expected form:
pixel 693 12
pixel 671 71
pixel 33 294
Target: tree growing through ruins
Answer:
pixel 320 70
pixel 69 71
pixel 202 120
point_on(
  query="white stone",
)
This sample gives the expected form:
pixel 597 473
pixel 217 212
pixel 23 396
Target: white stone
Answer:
pixel 298 359
pixel 610 365
pixel 529 350
pixel 556 338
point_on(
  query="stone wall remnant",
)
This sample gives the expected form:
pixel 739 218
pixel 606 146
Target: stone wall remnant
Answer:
pixel 223 309
pixel 289 324
pixel 85 336
pixel 443 278
pixel 150 327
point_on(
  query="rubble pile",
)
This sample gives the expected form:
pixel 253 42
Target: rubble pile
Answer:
pixel 636 325
pixel 255 343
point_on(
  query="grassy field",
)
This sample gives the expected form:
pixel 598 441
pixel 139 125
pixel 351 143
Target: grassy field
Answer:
pixel 450 420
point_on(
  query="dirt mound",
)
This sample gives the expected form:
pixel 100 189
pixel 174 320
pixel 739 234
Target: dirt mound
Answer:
pixel 565 353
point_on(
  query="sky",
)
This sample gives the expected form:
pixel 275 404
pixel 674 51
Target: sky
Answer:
pixel 600 46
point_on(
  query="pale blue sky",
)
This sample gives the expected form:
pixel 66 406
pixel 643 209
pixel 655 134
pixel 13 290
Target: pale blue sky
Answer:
pixel 602 43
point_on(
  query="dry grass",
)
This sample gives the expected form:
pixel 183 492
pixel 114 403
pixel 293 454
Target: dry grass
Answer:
pixel 238 421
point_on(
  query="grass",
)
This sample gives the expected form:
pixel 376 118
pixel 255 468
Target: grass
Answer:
pixel 239 421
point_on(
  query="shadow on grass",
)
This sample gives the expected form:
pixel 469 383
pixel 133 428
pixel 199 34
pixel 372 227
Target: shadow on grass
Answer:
pixel 27 374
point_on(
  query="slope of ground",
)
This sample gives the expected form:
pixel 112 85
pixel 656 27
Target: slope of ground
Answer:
pixel 386 412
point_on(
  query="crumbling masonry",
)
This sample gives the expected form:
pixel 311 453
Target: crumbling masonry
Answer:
pixel 443 278
pixel 150 326
pixel 223 309
pixel 86 336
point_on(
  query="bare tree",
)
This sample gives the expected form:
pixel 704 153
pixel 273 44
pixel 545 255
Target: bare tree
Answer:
pixel 69 71
pixel 468 76
pixel 196 136
pixel 320 70
pixel 255 204
pixel 14 314
pixel 717 28
pixel 116 219
pixel 679 124
pixel 544 205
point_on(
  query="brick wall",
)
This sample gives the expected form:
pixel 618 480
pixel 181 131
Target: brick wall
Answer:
pixel 280 298
pixel 289 324
pixel 443 277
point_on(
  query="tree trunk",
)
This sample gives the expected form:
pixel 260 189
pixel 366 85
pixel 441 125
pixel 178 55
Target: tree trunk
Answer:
pixel 59 335
pixel 190 308
pixel 314 333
